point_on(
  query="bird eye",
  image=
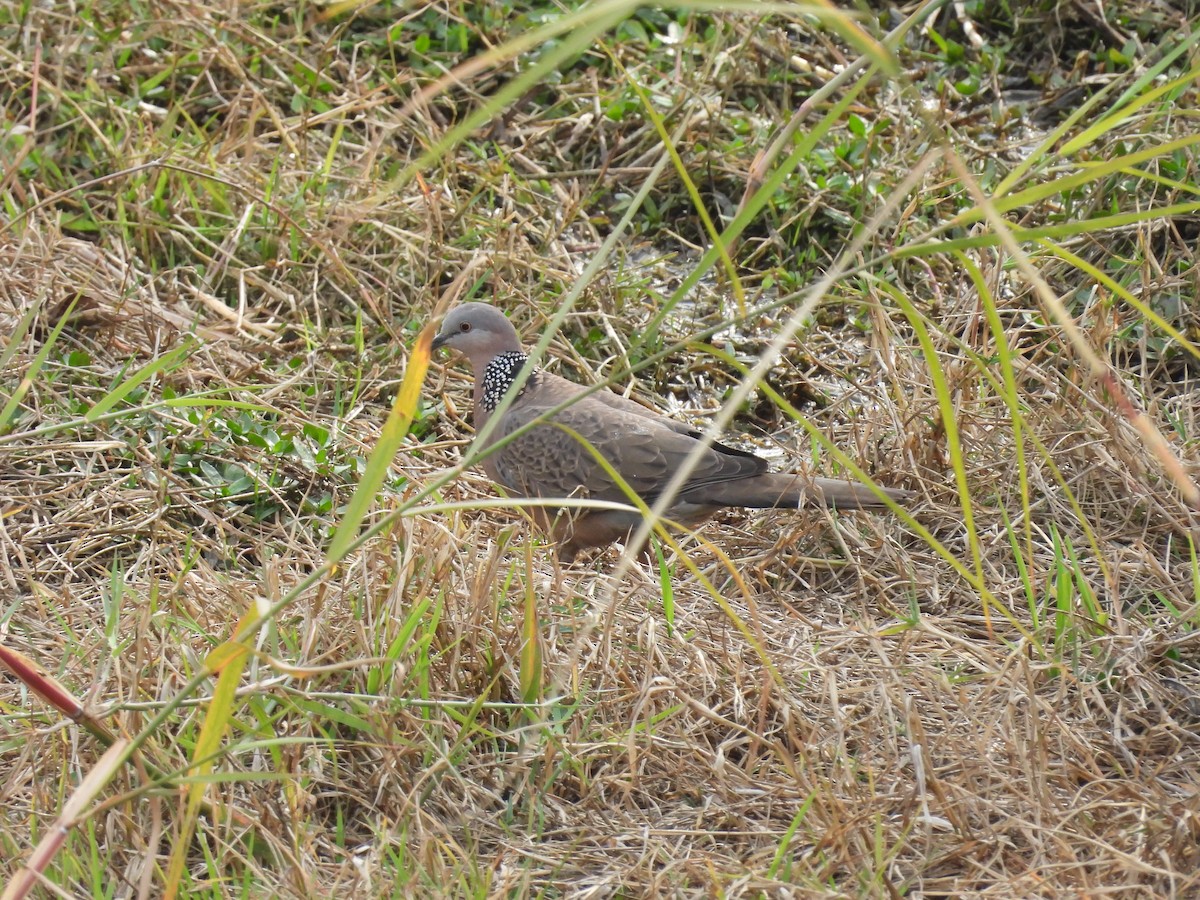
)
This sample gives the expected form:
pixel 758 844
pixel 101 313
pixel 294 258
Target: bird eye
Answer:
pixel 465 326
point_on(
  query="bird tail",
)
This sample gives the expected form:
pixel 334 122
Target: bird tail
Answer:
pixel 780 491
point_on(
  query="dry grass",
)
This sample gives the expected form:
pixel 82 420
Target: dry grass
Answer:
pixel 999 698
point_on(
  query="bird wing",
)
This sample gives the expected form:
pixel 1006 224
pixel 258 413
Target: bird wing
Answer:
pixel 646 449
pixel 621 402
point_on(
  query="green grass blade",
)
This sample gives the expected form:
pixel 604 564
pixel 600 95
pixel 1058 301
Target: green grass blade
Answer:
pixel 165 363
pixel 35 367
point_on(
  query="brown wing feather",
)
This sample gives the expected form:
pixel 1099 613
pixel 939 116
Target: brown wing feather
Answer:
pixel 646 449
pixel 618 401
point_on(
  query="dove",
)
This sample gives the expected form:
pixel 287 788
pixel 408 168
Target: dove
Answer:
pixel 644 447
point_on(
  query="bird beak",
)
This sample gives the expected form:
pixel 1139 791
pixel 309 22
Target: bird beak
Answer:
pixel 439 342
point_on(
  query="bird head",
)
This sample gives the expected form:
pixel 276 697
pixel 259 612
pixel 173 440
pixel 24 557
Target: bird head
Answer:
pixel 478 331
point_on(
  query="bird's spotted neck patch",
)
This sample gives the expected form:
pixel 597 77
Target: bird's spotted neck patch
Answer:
pixel 499 375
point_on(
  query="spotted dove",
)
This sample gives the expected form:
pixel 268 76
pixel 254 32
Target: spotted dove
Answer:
pixel 644 447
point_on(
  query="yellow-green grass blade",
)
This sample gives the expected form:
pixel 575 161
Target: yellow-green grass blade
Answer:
pixel 395 429
pixel 228 661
